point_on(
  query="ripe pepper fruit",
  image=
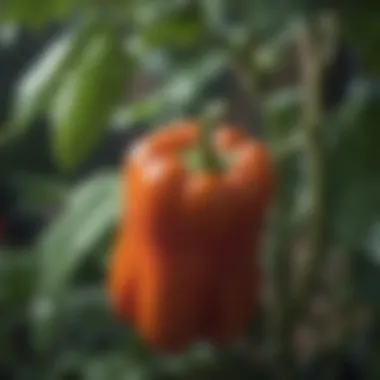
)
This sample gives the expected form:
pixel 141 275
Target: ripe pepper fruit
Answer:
pixel 185 265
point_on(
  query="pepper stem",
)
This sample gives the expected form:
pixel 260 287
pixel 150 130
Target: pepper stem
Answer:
pixel 209 158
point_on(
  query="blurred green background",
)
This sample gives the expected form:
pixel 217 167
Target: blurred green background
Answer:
pixel 81 80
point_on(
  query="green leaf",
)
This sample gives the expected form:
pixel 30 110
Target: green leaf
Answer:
pixel 83 105
pixel 35 89
pixel 87 217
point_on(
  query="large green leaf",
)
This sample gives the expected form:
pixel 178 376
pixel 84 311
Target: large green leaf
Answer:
pixel 36 87
pixel 88 216
pixel 82 108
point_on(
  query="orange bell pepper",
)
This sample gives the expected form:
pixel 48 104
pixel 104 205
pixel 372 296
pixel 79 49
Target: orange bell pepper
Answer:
pixel 186 268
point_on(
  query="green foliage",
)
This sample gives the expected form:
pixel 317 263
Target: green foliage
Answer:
pixel 80 84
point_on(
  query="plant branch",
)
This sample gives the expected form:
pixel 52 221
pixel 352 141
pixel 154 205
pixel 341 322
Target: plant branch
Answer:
pixel 310 49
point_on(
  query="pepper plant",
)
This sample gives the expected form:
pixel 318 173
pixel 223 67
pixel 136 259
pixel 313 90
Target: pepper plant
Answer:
pixel 297 75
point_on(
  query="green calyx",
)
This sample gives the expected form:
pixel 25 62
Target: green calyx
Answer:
pixel 196 161
pixel 204 156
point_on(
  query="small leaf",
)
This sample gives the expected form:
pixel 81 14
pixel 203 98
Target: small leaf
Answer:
pixel 88 216
pixel 84 103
